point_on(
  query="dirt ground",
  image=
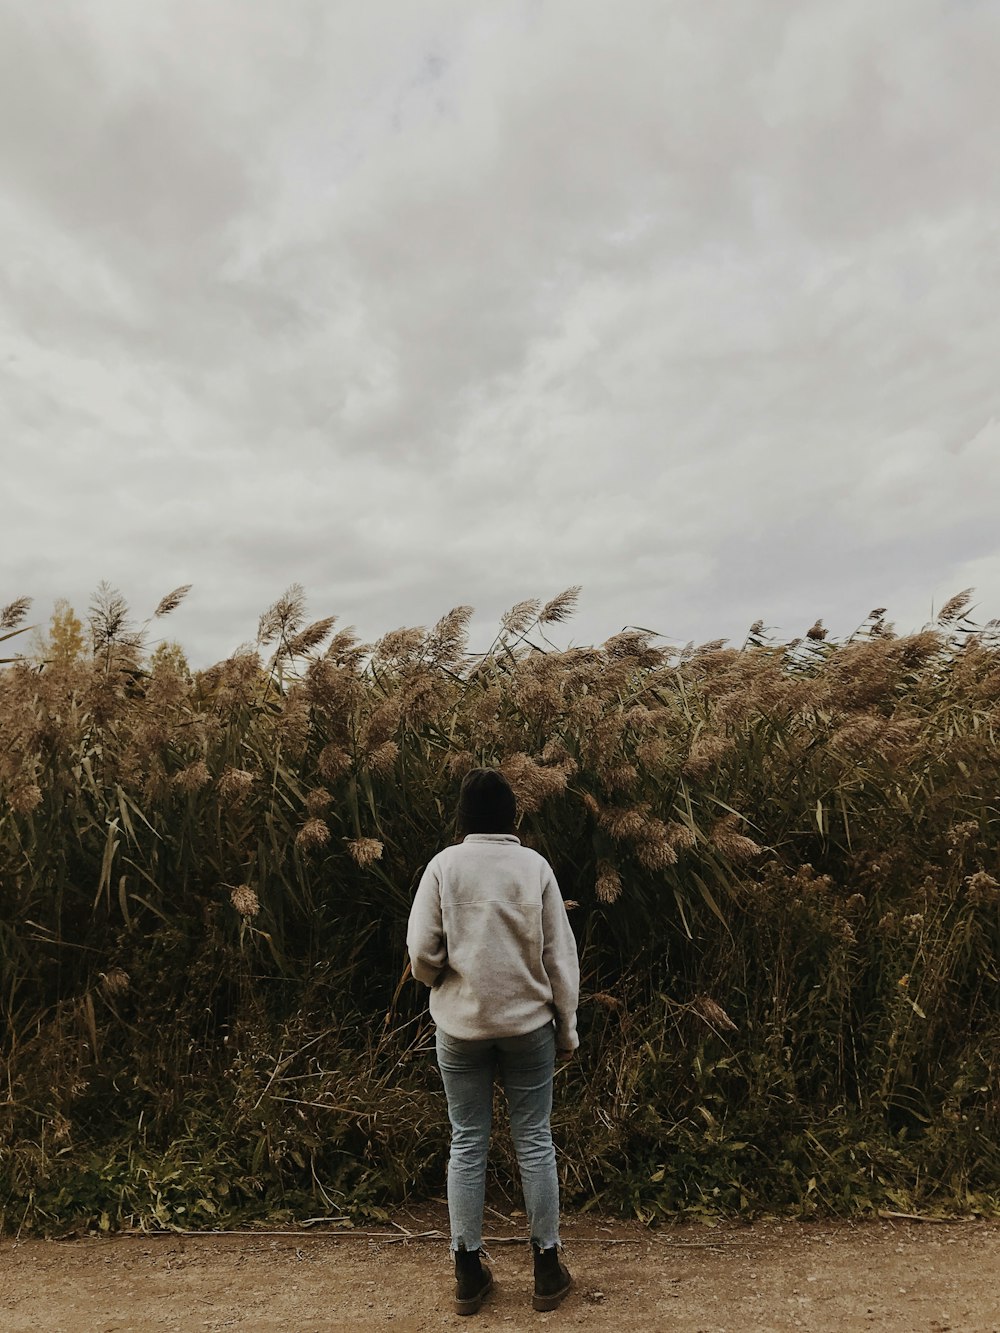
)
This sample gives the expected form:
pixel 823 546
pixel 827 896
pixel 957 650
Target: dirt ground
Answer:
pixel 893 1275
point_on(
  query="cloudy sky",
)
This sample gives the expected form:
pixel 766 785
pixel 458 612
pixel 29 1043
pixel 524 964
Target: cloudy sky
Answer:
pixel 429 302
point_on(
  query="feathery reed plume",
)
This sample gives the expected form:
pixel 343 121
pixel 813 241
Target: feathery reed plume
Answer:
pixel 654 850
pixel 312 835
pixel 608 885
pixel 172 601
pixel 531 782
pixel 459 762
pixel 858 734
pixel 318 800
pixel 400 645
pixel 333 762
pixel 623 823
pixel 25 799
pixel 283 617
pixel 109 623
pixel 960 834
pixel 955 607
pixel 365 851
pixel 591 804
pixel 310 637
pixel 711 1012
pixel 192 778
pixel 556 754
pixel 331 687
pixel 561 607
pixel 706 754
pixel 237 676
pixel 447 640
pixel 638 717
pixel 234 785
pixel 382 722
pixel 520 616
pixel 634 646
pixel 681 837
pixel 655 754
pixel 383 758
pixel 115 981
pixel 345 649
pixel 982 888
pixel 14 612
pixel 620 777
pixel 733 845
pixel 245 900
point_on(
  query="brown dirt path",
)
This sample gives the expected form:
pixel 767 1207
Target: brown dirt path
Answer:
pixel 896 1277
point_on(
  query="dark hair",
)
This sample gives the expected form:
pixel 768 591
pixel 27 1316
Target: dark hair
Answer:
pixel 486 803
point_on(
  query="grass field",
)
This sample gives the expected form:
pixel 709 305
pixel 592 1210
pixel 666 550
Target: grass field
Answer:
pixel 781 861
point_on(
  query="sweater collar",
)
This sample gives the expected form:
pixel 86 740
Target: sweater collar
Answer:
pixel 492 837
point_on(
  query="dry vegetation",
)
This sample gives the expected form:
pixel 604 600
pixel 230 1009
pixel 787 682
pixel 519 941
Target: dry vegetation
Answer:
pixel 783 867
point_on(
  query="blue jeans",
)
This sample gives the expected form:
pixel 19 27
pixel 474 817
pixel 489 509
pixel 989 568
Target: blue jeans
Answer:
pixel 525 1065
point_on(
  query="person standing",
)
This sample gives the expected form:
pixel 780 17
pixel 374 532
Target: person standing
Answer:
pixel 489 934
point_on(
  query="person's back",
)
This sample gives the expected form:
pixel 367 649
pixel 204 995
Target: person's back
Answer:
pixel 511 956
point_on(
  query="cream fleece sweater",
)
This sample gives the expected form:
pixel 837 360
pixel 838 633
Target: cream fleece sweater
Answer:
pixel 488 932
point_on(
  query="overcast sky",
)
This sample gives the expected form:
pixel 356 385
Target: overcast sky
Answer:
pixel 418 304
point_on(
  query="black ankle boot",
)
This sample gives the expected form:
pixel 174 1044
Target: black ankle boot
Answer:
pixel 552 1279
pixel 472 1281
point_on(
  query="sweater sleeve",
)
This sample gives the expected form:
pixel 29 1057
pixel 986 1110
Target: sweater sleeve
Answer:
pixel 425 940
pixel 561 963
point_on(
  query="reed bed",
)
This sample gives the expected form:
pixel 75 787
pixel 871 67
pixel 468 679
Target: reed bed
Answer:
pixel 781 861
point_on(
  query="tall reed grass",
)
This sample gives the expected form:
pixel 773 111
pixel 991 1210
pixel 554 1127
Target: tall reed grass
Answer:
pixel 782 867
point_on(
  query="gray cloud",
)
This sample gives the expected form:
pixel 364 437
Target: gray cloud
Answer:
pixel 692 305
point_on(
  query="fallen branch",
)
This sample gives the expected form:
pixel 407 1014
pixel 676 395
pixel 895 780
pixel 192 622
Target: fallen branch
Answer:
pixel 921 1217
